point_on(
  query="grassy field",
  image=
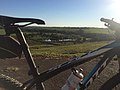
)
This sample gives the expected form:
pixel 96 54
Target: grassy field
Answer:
pixel 65 50
pixel 97 30
pixel 2 31
pixel 70 49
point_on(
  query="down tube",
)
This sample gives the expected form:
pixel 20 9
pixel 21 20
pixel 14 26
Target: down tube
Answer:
pixel 96 71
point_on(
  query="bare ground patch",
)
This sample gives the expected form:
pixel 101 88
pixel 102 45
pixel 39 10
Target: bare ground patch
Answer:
pixel 18 69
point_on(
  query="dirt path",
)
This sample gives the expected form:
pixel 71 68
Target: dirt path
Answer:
pixel 18 69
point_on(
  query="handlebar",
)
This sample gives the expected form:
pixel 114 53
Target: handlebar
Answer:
pixel 6 20
pixel 111 24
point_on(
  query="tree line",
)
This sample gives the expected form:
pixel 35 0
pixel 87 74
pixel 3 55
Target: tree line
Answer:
pixel 57 34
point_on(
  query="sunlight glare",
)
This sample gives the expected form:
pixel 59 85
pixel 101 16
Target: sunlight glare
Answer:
pixel 115 9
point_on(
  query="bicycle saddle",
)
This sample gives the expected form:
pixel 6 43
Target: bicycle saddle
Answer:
pixel 6 20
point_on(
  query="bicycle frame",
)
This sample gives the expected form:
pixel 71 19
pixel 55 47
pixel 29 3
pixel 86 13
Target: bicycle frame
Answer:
pixel 98 68
pixel 33 69
pixel 107 52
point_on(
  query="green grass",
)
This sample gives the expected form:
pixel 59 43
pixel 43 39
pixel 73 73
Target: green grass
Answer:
pixel 2 31
pixel 47 50
pixel 97 30
pixel 65 50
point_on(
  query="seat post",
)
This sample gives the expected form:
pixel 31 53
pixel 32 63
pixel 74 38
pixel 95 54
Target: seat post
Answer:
pixel 29 58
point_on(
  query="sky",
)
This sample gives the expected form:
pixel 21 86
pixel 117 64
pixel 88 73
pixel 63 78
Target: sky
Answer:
pixel 64 13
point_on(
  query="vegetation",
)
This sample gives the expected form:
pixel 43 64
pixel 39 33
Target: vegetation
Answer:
pixel 66 34
pixel 65 50
pixel 64 41
pixel 2 31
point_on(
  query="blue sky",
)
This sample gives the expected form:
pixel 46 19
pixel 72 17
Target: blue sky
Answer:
pixel 78 13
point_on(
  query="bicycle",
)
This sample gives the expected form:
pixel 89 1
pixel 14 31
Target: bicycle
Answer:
pixel 11 26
